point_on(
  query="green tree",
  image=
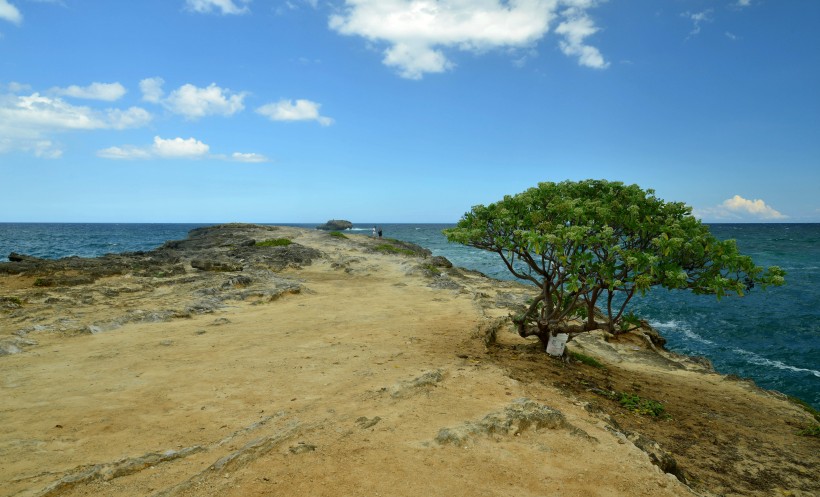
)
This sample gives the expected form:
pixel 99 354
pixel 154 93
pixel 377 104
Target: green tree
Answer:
pixel 593 245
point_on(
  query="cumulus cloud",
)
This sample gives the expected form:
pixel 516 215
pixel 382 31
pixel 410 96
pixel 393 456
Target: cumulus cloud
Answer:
pixel 300 110
pixel 738 208
pixel 108 92
pixel 194 102
pixel 40 113
pixel 575 29
pixel 756 208
pixel 27 122
pixel 8 12
pixel 224 7
pixel 174 148
pixel 151 89
pixel 417 32
pixel 179 148
pixel 132 117
pixel 191 101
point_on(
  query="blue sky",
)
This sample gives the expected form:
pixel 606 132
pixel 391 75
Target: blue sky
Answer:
pixel 402 110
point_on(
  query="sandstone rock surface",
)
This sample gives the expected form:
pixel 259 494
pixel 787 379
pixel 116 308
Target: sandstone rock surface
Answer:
pixel 333 366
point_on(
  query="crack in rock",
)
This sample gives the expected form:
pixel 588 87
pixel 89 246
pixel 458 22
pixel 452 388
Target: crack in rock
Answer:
pixel 116 469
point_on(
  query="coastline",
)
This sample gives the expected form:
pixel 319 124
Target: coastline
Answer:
pixel 332 367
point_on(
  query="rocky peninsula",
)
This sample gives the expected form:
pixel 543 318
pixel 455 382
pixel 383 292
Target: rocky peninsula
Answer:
pixel 256 360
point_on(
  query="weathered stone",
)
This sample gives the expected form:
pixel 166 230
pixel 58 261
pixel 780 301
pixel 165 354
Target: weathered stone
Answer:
pixel 439 261
pixel 301 448
pixel 519 416
pixel 14 344
pixel 15 257
pixel 408 388
pixel 365 423
pixel 214 265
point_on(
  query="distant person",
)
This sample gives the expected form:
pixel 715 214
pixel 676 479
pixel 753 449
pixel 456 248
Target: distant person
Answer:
pixel 380 231
pixel 374 232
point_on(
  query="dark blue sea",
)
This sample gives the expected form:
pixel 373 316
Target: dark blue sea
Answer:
pixel 771 336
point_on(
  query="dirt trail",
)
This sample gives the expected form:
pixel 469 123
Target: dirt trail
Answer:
pixel 371 380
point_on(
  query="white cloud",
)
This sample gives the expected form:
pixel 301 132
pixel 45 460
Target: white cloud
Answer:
pixel 28 121
pixel 577 28
pixel 46 149
pixel 127 152
pixel 179 148
pixel 132 117
pixel 300 110
pixel 108 92
pixel 38 113
pixel 293 5
pixel 738 208
pixel 223 6
pixel 174 148
pixel 250 158
pixel 15 87
pixel 743 3
pixel 10 13
pixel 756 208
pixel 418 31
pixel 151 89
pixel 193 102
pixel 697 19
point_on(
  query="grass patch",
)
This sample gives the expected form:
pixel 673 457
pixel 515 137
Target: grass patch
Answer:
pixel 640 405
pixel 431 269
pixel 392 249
pixel 337 234
pixel 806 407
pixel 811 431
pixel 274 242
pixel 585 359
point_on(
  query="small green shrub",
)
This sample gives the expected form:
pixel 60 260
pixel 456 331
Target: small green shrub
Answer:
pixel 392 249
pixel 629 321
pixel 640 405
pixel 431 269
pixel 11 302
pixel 274 242
pixel 585 359
pixel 806 407
pixel 337 234
pixel 811 431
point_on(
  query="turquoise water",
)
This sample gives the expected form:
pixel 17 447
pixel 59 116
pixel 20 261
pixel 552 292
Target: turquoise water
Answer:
pixel 771 336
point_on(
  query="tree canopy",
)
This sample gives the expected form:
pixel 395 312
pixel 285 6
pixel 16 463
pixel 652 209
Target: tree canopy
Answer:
pixel 594 244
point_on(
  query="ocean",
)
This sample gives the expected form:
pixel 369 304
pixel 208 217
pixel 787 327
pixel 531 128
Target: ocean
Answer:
pixel 770 336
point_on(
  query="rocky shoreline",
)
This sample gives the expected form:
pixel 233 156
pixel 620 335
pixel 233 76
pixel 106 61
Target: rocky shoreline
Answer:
pixel 223 363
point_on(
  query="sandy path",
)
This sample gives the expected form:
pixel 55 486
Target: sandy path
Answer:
pixel 338 390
